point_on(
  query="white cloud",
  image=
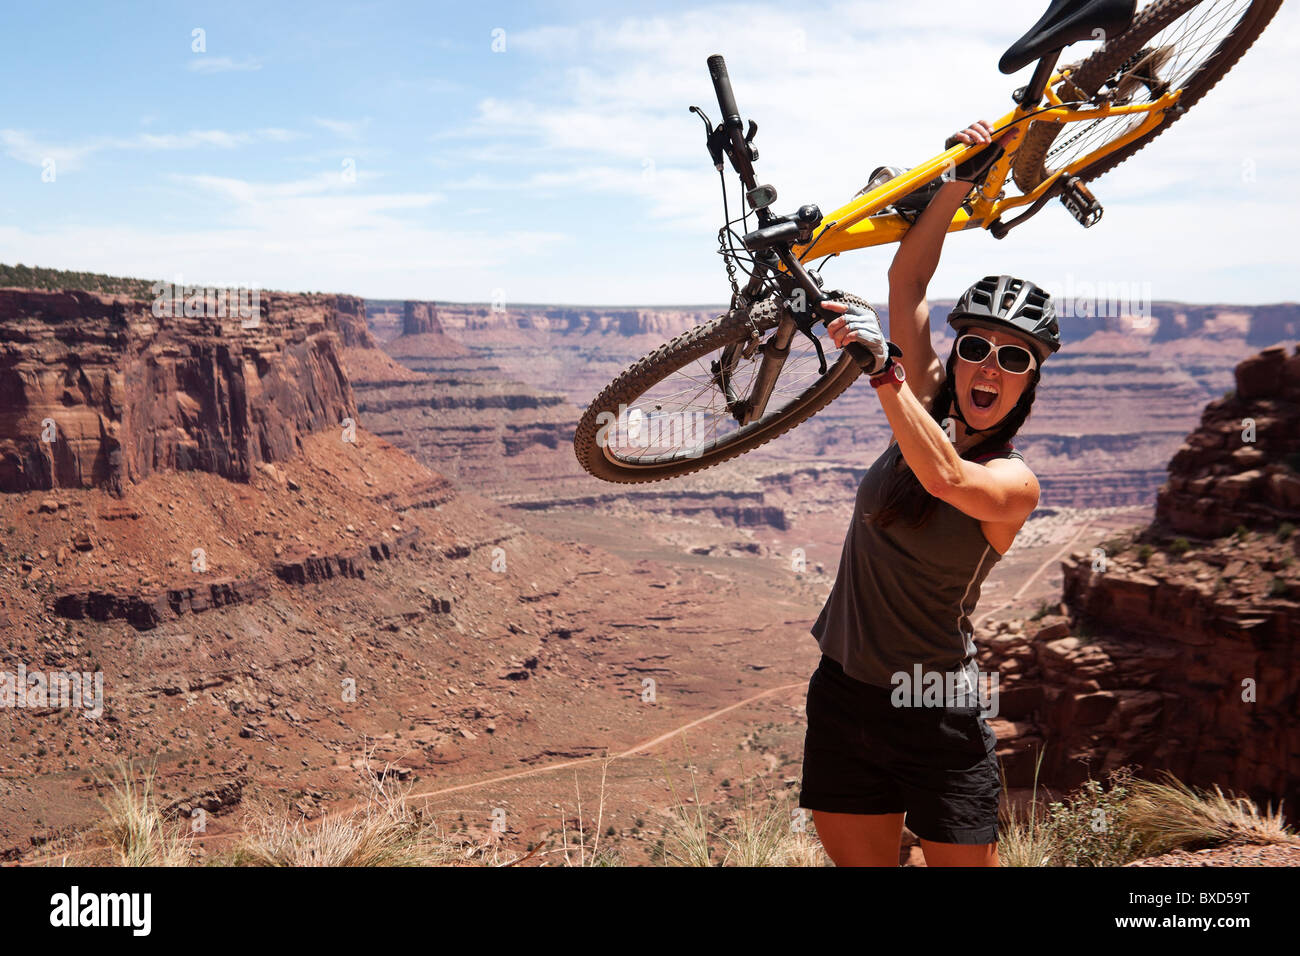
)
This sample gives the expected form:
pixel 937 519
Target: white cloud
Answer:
pixel 358 251
pixel 315 233
pixel 594 121
pixel 840 89
pixel 345 129
pixel 203 63
pixel 323 201
pixel 22 146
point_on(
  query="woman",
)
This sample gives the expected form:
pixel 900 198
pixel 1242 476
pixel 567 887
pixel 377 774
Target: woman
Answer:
pixel 933 514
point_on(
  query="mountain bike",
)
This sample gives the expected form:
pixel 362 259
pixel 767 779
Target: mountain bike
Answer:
pixel 753 373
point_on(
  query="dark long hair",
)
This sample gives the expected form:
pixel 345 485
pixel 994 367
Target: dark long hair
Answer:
pixel 903 495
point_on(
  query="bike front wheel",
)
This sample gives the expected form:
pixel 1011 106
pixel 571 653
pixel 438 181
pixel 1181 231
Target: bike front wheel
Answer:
pixel 668 414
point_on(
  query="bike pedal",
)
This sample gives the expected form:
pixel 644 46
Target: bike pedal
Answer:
pixel 1082 204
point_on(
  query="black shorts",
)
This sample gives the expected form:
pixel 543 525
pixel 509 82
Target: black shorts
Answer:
pixel 864 755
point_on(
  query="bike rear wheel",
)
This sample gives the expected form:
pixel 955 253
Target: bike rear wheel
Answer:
pixel 675 384
pixel 1171 44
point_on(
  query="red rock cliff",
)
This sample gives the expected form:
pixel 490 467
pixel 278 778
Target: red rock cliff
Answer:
pixel 420 318
pixel 98 391
pixel 1180 650
pixel 1242 465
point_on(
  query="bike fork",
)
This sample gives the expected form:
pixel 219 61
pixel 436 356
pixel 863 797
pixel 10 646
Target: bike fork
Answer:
pixel 750 408
pixel 776 349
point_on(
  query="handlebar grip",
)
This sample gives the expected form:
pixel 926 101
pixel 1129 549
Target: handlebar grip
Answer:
pixel 862 355
pixel 722 86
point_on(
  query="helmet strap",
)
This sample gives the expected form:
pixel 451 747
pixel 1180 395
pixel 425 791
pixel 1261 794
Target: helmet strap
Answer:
pixel 956 413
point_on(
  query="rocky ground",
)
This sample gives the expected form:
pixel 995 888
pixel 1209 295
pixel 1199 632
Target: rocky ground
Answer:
pixel 1271 855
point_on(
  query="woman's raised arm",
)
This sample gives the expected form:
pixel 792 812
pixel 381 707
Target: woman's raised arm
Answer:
pixel 913 267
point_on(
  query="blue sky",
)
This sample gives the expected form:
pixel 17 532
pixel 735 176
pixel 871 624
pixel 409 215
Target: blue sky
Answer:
pixel 388 150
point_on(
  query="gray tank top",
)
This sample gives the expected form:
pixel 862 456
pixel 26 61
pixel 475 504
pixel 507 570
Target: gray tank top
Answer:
pixel 903 596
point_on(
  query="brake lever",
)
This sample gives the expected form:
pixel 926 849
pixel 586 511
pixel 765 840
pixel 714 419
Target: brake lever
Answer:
pixel 714 140
pixel 810 317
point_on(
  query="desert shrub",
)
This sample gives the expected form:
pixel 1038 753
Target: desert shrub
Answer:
pixel 1023 838
pixel 386 831
pixel 1129 819
pixel 1091 828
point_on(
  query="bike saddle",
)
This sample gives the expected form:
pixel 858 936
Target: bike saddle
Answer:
pixel 1066 22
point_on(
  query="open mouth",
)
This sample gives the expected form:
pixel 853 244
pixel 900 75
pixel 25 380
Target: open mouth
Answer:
pixel 983 396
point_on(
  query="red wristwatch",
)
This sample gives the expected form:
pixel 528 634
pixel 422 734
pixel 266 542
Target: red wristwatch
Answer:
pixel 891 374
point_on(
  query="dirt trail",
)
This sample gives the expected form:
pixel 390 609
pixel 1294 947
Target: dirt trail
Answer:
pixel 646 745
pixel 531 772
pixel 1065 549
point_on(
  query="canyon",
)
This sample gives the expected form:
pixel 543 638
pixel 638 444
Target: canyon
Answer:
pixel 1117 400
pixel 235 523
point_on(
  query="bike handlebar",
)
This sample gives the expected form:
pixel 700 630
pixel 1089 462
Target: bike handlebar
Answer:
pixel 740 152
pixel 722 86
pixel 740 159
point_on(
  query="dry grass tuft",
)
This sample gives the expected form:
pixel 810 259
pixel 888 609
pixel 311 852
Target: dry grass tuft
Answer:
pixel 135 829
pixel 1131 819
pixel 1023 841
pixel 761 833
pixel 386 831
pixel 1171 816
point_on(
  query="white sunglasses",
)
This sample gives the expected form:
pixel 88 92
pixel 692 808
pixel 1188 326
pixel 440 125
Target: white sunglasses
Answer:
pixel 1013 359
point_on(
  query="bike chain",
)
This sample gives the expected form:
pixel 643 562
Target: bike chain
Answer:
pixel 1111 81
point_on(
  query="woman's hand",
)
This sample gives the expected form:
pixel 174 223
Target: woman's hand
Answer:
pixel 855 325
pixel 977 132
pixel 972 170
pixel 982 132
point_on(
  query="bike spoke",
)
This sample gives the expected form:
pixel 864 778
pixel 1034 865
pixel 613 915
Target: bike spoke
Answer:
pixel 1188 43
pixel 689 399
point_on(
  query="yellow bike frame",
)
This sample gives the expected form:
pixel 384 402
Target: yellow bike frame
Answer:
pixel 856 224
